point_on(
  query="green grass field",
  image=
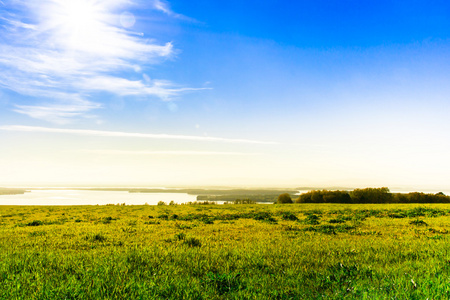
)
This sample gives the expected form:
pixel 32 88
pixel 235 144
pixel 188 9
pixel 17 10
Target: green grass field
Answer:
pixel 296 251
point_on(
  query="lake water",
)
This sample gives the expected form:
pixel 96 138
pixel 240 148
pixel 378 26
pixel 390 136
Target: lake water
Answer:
pixel 89 197
pixel 86 197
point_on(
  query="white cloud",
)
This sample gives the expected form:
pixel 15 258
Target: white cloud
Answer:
pixel 17 24
pixel 125 87
pixel 164 6
pixel 59 114
pixel 69 50
pixel 101 133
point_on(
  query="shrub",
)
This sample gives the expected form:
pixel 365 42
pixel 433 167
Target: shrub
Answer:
pixel 289 216
pixel 312 220
pixel 180 236
pixel 263 216
pixel 182 226
pixel 418 223
pixel 327 229
pixel 284 198
pixel 334 221
pixel 223 283
pixel 207 220
pixel 192 242
pixel 37 233
pixel 107 220
pixel 152 223
pixel 35 223
pixel 95 237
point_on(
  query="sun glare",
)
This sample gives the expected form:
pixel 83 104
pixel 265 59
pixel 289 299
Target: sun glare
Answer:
pixel 79 14
pixel 81 24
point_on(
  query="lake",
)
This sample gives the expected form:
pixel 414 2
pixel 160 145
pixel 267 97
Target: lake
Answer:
pixel 88 197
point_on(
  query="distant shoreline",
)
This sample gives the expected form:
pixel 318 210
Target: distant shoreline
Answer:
pixel 12 191
pixel 259 195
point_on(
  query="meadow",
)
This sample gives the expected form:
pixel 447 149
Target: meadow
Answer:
pixel 253 251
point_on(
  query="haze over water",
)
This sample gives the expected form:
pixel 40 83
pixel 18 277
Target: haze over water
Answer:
pixel 81 197
pixel 67 196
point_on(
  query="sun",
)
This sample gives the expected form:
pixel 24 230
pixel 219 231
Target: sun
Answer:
pixel 78 24
pixel 79 15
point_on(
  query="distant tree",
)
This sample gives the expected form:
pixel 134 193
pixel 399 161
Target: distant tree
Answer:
pixel 371 195
pixel 304 198
pixel 324 196
pixel 336 197
pixel 317 196
pixel 284 198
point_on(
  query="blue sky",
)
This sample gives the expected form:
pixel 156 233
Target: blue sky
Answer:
pixel 277 93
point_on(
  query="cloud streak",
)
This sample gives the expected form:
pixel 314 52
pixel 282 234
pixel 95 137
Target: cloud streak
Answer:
pixel 69 51
pixel 164 7
pixel 59 114
pixel 170 153
pixel 120 134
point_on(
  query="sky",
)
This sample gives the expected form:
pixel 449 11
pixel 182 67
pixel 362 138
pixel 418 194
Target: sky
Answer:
pixel 316 93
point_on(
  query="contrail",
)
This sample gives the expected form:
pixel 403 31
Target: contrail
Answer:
pixel 102 133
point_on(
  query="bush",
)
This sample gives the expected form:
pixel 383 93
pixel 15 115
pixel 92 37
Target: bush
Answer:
pixel 289 216
pixel 312 220
pixel 35 223
pixel 180 236
pixel 418 223
pixel 107 220
pixel 284 198
pixel 223 283
pixel 164 217
pixel 99 237
pixel 192 242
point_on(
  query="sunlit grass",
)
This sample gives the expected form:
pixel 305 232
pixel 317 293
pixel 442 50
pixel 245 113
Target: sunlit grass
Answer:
pixel 225 252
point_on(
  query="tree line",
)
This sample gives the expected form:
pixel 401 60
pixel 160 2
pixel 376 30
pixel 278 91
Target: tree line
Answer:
pixel 367 195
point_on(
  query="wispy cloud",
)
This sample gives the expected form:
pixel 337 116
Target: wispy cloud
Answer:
pixel 17 24
pixel 125 87
pixel 164 6
pixel 170 153
pixel 59 114
pixel 67 51
pixel 101 133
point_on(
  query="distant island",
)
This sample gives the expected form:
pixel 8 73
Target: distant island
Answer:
pixel 12 191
